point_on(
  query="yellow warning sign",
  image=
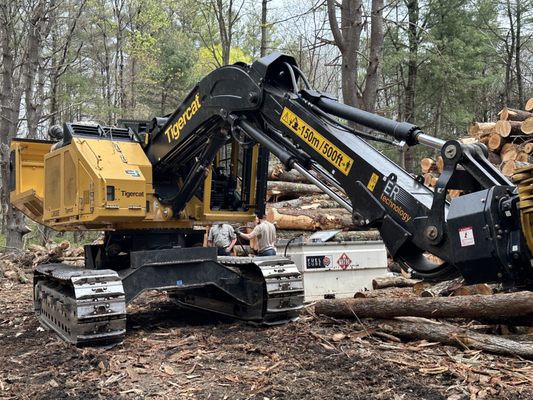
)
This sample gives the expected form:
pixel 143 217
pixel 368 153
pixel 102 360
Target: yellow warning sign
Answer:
pixel 372 182
pixel 323 146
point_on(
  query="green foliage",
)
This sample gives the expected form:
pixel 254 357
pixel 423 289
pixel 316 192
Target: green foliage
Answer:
pixel 209 59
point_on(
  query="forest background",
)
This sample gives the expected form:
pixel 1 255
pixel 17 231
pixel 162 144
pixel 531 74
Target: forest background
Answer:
pixel 440 63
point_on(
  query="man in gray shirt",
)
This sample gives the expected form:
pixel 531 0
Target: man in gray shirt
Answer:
pixel 223 237
pixel 265 232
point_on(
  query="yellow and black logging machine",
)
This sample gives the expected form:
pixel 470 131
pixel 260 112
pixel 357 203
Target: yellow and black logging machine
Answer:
pixel 151 186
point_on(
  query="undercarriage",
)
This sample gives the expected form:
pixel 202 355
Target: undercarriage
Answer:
pixel 88 306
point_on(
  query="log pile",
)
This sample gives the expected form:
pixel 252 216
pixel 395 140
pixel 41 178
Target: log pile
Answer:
pixel 509 141
pixel 18 266
pixel 466 316
pixel 295 204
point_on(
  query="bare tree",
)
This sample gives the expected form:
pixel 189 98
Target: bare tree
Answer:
pixel 23 27
pixel 264 30
pixel 226 14
pixel 347 38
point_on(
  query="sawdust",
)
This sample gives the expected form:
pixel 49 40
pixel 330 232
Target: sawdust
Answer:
pixel 175 354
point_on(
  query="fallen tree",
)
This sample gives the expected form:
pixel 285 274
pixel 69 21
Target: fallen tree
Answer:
pixel 476 306
pixel 424 329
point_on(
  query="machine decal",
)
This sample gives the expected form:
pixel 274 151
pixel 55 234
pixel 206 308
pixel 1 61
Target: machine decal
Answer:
pixel 131 194
pixel 173 131
pixel 133 172
pixel 312 262
pixel 466 235
pixel 372 181
pixel 394 197
pixel 319 143
pixel 344 261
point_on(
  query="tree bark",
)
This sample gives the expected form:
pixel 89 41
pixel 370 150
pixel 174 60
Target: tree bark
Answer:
pixel 278 173
pixel 444 288
pixel 478 129
pixel 347 39
pixel 390 293
pixel 10 99
pixel 264 30
pixel 393 281
pixel 291 189
pixel 512 114
pixel 444 333
pixel 322 201
pixel 310 220
pixel 477 306
pixel 370 92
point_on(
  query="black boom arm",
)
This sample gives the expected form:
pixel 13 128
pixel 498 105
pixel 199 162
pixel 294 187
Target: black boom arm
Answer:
pixel 477 234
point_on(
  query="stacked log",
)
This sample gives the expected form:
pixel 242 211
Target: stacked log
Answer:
pixel 509 141
pixel 511 138
pixel 295 204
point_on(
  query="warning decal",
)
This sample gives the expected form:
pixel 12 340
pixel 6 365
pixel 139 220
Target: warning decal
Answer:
pixel 323 146
pixel 372 182
pixel 466 234
pixel 344 261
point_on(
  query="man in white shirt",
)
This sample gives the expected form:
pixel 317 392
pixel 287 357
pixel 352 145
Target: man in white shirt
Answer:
pixel 265 232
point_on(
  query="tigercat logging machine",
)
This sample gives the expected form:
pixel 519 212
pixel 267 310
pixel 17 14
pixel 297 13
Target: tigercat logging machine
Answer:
pixel 149 184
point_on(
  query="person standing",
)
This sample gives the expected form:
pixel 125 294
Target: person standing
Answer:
pixel 222 236
pixel 265 232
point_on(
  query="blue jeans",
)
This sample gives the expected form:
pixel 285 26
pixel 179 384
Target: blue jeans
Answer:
pixel 267 252
pixel 221 251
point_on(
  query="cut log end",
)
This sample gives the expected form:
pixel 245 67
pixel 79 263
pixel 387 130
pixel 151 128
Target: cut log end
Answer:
pixel 529 105
pixel 428 165
pixel 527 126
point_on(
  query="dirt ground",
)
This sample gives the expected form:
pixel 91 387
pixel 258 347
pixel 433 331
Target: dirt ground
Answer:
pixel 175 354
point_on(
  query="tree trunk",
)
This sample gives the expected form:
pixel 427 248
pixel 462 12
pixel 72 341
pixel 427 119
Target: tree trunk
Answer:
pixel 310 220
pixel 393 281
pixel 511 114
pixel 477 306
pixel 347 40
pixel 322 201
pixel 291 189
pixel 444 288
pixel 390 293
pixel 278 173
pixel 370 92
pixel 444 333
pixel 10 98
pixel 264 30
pixel 478 129
pixel 518 52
